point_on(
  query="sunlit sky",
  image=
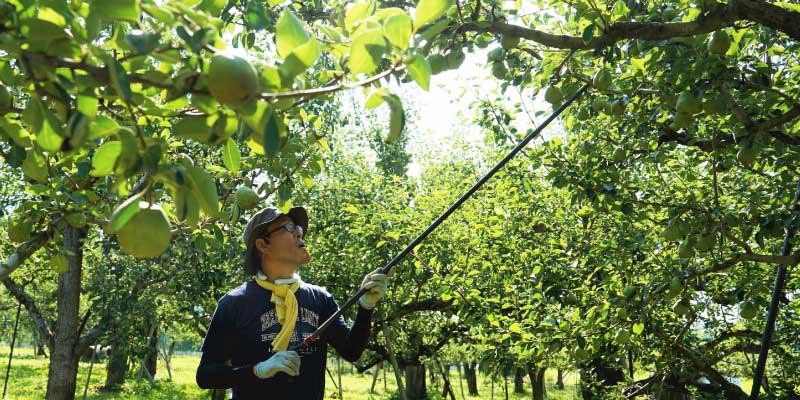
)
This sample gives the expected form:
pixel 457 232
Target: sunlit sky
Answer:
pixel 447 112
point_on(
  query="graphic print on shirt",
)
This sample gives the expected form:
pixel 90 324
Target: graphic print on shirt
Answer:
pixel 307 323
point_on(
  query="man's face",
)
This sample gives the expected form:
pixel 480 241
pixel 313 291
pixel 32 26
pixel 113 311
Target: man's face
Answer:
pixel 284 246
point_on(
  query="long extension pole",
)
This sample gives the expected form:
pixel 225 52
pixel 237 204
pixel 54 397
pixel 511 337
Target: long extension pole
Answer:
pixel 11 353
pixel 386 268
pixel 777 291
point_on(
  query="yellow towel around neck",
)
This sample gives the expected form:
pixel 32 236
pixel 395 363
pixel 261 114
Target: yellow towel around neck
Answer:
pixel 285 307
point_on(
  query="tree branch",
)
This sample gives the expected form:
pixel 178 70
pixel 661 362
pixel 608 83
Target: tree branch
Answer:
pixel 102 75
pixel 422 305
pixel 763 258
pixel 22 253
pixel 36 315
pixel 722 16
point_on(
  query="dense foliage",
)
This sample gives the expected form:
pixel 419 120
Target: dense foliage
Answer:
pixel 644 236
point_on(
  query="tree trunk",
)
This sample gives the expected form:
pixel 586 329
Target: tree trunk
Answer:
pixel 472 379
pixel 63 371
pixel 375 377
pixel 117 367
pixel 38 343
pixel 339 374
pixel 597 376
pixel 460 381
pixel 151 354
pixel 560 381
pixel 538 390
pixel 415 382
pixel 630 363
pixel 395 366
pixel 519 383
pixel 448 388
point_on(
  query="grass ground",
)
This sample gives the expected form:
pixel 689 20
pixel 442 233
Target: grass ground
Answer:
pixel 28 381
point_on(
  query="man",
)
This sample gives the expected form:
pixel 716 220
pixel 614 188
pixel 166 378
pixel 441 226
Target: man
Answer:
pixel 254 325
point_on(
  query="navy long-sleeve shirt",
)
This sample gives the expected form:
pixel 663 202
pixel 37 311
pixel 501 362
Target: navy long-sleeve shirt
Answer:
pixel 241 333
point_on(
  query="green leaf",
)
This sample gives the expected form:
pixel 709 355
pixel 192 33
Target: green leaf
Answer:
pixel 397 29
pixel 204 189
pixel 51 15
pixel 795 7
pixel 125 10
pixel 367 51
pixel 101 127
pixel 420 69
pixel 193 127
pixel 284 194
pixel 620 9
pixel 273 3
pixel 119 79
pixel 105 158
pixel 49 137
pixel 159 13
pixel 142 42
pixel 638 64
pixel 272 135
pixel 299 60
pixel 33 114
pixel 231 156
pixel 128 160
pixel 35 167
pixel 6 73
pixel 515 328
pixel 432 31
pixel 308 52
pixel 37 29
pixel 397 118
pixel 429 11
pixel 289 33
pixel 87 105
pixel 376 98
pixel 638 328
pixel 124 212
pixel 356 13
pixel 588 34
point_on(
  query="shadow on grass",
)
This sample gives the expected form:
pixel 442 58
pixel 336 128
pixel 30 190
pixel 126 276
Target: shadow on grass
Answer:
pixel 159 390
pixel 18 356
pixel 25 381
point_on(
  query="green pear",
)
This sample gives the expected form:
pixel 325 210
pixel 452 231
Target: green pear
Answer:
pixel 602 79
pixel 499 70
pixel 509 41
pixel 553 95
pixel 619 155
pixel 719 43
pixel 685 249
pixel 681 307
pixel 747 310
pixel 689 102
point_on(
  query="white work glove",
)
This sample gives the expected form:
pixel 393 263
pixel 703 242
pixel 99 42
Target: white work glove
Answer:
pixel 375 282
pixel 284 361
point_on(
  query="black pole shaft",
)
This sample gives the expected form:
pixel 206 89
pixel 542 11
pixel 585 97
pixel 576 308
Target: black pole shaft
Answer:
pixel 11 353
pixel 777 292
pixel 89 375
pixel 386 268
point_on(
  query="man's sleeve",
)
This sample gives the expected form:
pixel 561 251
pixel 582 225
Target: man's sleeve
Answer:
pixel 348 342
pixel 213 371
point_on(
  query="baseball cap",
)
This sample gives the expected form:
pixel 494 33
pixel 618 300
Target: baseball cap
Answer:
pixel 256 226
